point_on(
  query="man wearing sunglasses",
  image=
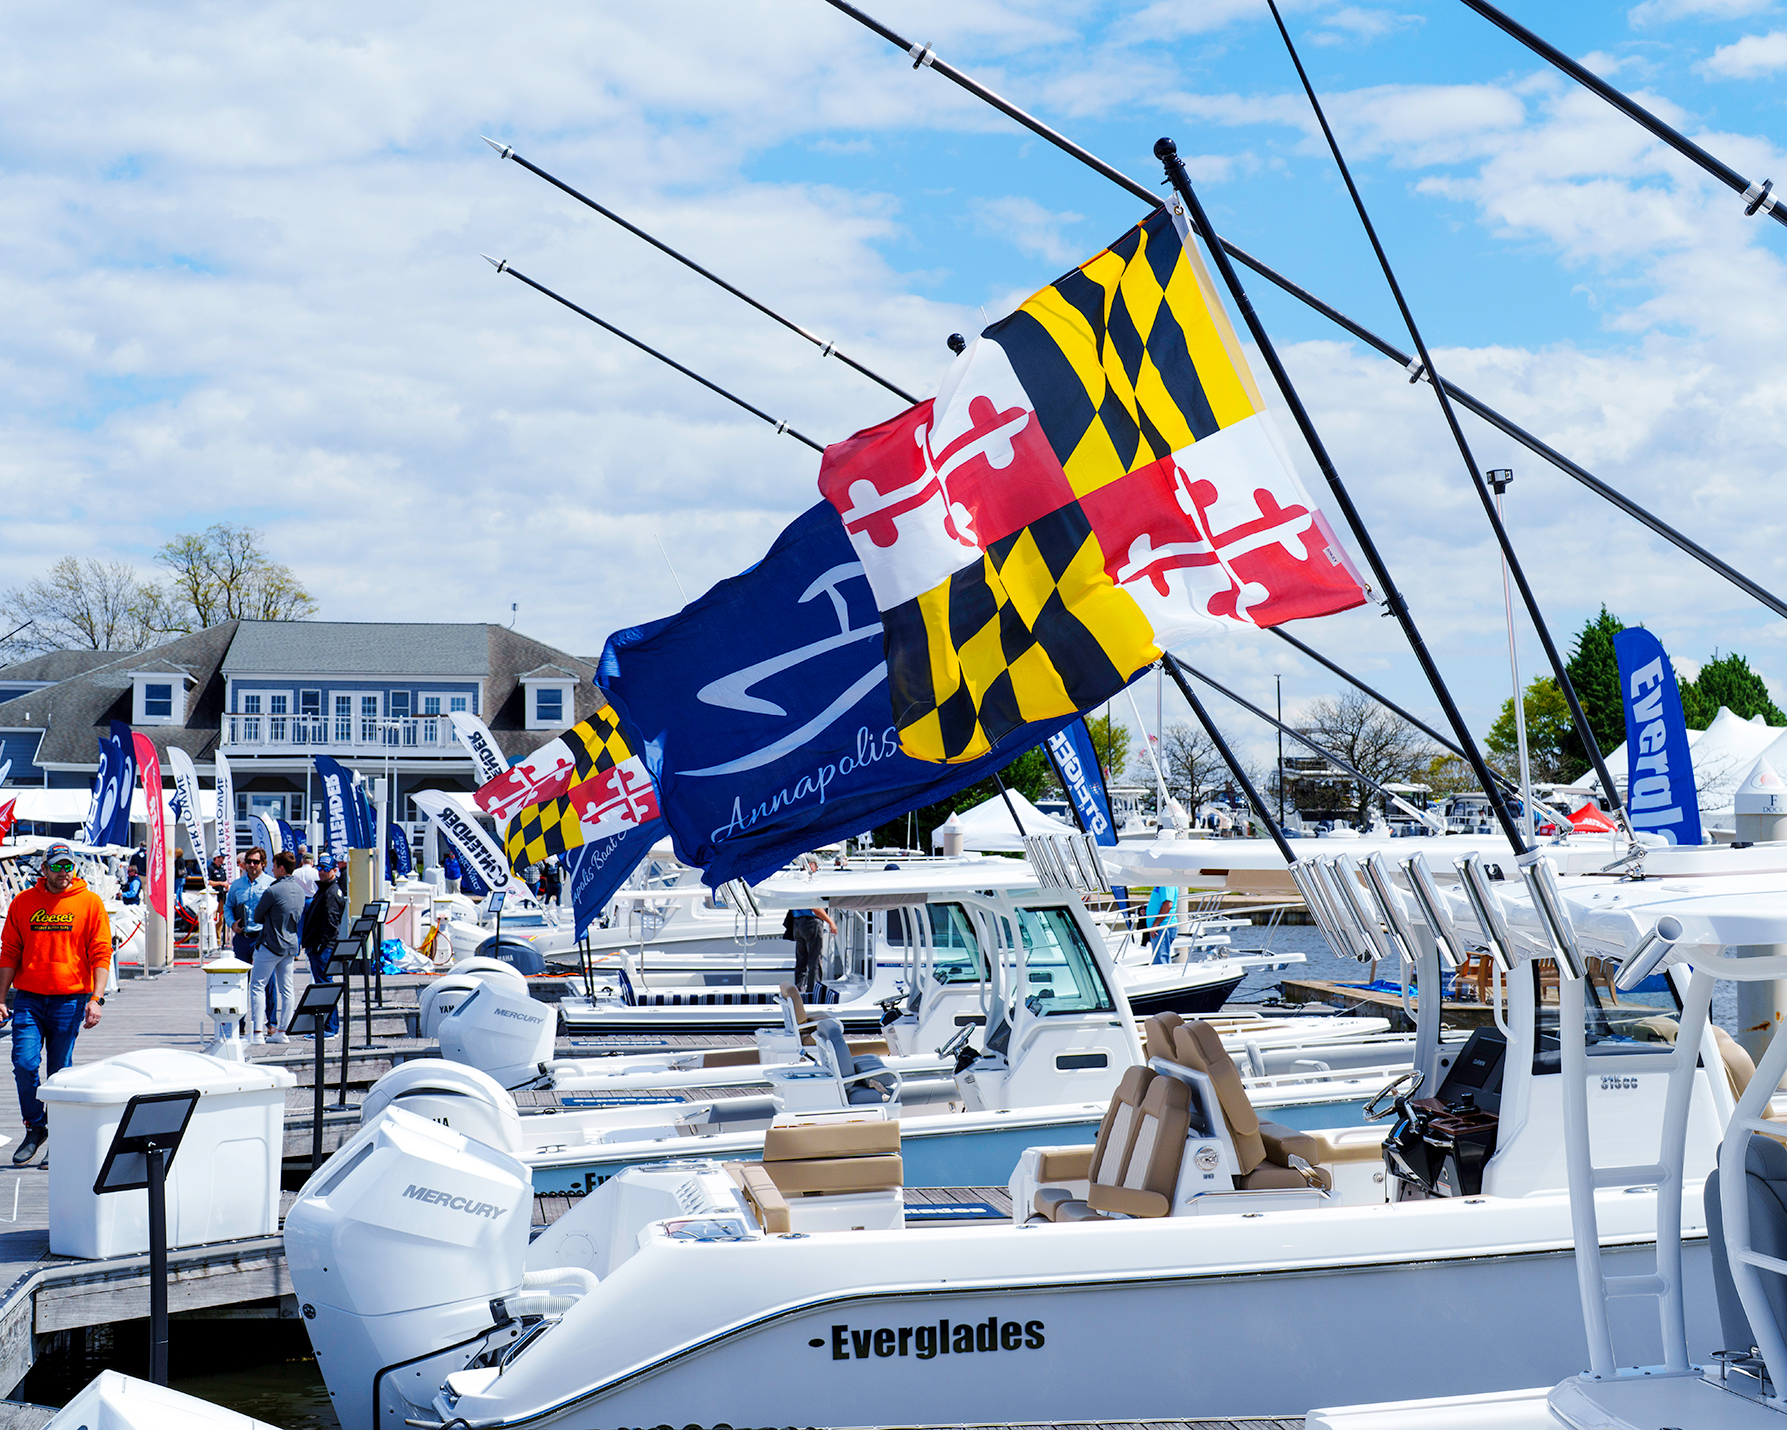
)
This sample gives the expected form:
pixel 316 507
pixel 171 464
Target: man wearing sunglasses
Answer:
pixel 55 953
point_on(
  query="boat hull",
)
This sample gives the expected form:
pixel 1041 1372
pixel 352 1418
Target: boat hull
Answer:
pixel 1200 998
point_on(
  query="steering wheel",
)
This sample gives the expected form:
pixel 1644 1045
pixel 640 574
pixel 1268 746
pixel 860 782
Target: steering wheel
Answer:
pixel 1397 1090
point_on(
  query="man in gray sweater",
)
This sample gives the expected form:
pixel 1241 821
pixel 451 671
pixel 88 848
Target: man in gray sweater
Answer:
pixel 279 913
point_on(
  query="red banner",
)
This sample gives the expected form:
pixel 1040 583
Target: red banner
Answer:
pixel 8 816
pixel 149 768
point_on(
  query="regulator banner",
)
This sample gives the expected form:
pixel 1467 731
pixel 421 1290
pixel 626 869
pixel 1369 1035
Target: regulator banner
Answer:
pixel 1660 791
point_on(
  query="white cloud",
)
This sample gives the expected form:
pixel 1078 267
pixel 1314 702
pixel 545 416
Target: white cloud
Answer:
pixel 1029 227
pixel 1656 12
pixel 1749 58
pixel 1355 25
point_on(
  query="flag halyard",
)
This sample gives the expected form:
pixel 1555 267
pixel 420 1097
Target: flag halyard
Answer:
pixel 1094 480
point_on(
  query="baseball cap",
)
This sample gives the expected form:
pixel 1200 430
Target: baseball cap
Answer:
pixel 325 860
pixel 58 850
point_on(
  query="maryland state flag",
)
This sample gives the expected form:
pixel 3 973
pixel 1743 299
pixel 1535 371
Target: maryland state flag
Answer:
pixel 581 788
pixel 1096 480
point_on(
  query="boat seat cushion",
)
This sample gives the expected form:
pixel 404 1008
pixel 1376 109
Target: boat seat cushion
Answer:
pixel 761 1194
pixel 1078 1211
pixel 1269 1176
pixel 1157 1036
pixel 730 1058
pixel 1049 1200
pixel 1284 1142
pixel 1064 1164
pixel 1116 1132
pixel 820 1175
pixel 1765 1176
pixel 1198 1046
pixel 802 1141
pixel 1152 1172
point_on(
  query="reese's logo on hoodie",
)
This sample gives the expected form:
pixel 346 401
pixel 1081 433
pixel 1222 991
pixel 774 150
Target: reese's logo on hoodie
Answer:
pixel 52 921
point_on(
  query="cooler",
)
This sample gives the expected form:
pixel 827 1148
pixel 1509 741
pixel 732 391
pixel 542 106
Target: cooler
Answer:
pixel 224 1181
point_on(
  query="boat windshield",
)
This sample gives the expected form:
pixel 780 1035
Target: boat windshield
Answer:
pixel 1061 973
pixel 1642 1020
pixel 955 952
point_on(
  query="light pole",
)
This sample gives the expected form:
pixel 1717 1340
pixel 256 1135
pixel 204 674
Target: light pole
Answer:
pixel 1500 479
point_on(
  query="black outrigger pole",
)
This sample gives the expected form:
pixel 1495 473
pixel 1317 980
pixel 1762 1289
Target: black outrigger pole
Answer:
pixel 1475 475
pixel 826 349
pixel 502 265
pixel 1228 756
pixel 1168 153
pixel 923 56
pixel 1758 198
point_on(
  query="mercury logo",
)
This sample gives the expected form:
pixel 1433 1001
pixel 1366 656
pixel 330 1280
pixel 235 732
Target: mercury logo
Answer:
pixel 453 1203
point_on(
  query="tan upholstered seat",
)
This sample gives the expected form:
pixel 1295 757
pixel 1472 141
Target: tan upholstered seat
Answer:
pixel 1157 1036
pixel 1260 1148
pixel 1739 1066
pixel 1108 1156
pixel 1150 1174
pixel 818 1159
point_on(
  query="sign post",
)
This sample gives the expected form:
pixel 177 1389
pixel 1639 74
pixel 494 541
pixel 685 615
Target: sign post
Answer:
pixel 148 1135
pixel 378 912
pixel 340 968
pixel 361 934
pixel 311 1016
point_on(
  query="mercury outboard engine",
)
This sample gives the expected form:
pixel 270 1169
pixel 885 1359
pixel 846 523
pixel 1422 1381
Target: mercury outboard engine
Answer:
pixel 508 1035
pixel 452 988
pixel 409 1242
pixel 451 1095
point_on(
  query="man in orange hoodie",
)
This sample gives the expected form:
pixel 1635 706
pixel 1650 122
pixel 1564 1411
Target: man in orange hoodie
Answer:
pixel 55 951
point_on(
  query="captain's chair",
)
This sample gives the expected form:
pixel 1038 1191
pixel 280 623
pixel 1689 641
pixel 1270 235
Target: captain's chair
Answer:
pixel 1106 1158
pixel 1765 1174
pixel 1133 1168
pixel 861 1079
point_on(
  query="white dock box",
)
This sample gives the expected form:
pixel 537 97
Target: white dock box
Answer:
pixel 224 1181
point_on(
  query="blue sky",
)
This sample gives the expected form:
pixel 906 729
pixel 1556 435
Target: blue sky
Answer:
pixel 239 256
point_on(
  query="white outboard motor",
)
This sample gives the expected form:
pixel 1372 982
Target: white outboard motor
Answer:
pixel 509 1036
pixel 404 1243
pixel 452 1095
pixel 602 1229
pixel 451 989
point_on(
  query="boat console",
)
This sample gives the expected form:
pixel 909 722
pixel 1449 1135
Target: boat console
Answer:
pixel 1439 1145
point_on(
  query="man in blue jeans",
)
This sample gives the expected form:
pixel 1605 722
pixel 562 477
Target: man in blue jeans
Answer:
pixel 55 954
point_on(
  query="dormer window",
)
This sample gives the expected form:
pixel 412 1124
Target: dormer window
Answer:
pixel 549 697
pixel 549 706
pixel 158 697
pixel 158 701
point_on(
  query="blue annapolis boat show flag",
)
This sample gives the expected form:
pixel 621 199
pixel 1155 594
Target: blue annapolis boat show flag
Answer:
pixel 108 816
pixel 1661 796
pixel 762 710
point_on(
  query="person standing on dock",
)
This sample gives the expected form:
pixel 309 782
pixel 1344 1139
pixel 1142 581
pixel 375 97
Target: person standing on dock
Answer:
pixel 239 906
pixel 279 914
pixel 322 925
pixel 809 943
pixel 55 954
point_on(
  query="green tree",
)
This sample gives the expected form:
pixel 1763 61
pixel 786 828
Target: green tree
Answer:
pixel 1727 680
pixel 223 574
pixel 1548 726
pixel 1594 675
pixel 1110 738
pixel 1029 773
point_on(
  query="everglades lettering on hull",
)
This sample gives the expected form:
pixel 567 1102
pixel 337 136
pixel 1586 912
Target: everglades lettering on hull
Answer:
pixel 929 1341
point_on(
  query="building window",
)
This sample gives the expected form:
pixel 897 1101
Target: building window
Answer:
pixel 251 704
pixel 158 700
pixel 310 702
pixel 457 703
pixel 431 705
pixel 276 704
pixel 344 719
pixel 400 705
pixel 549 706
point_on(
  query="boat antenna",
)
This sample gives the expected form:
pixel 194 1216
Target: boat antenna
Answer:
pixel 926 58
pixel 826 349
pixel 504 266
pixel 1475 475
pixel 1168 153
pixel 1758 198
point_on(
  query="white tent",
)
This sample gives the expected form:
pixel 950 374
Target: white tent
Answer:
pixel 1723 753
pixel 988 827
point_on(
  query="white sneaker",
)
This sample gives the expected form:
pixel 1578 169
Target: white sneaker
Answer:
pixel 255 1039
pixel 277 1038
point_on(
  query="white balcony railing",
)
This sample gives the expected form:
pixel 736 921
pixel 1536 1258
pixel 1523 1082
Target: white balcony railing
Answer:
pixel 276 734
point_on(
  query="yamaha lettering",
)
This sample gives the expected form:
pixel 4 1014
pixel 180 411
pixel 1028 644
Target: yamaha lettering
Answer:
pixel 434 1197
pixel 929 1341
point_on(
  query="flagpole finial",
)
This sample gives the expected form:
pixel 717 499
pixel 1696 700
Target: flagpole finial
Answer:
pixel 1165 149
pixel 503 151
pixel 500 264
pixel 957 344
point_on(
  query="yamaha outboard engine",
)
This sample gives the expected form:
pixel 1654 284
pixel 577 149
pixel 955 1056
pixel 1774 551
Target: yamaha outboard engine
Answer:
pixel 411 1240
pixel 451 1095
pixel 507 1035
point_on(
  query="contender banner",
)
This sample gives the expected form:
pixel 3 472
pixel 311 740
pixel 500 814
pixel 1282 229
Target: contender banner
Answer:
pixel 1660 793
pixel 469 837
pixel 475 735
pixel 341 816
pixel 186 801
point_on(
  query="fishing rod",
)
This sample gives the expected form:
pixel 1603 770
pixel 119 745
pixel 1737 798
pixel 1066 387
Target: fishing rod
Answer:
pixel 503 266
pixel 1758 198
pixel 1168 153
pixel 1299 736
pixel 1381 699
pixel 1228 757
pixel 1472 471
pixel 924 57
pixel 826 349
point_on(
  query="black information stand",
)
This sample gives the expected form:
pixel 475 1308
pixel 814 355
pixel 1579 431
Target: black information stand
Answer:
pixel 148 1135
pixel 378 911
pixel 311 1017
pixel 361 934
pixel 495 906
pixel 343 963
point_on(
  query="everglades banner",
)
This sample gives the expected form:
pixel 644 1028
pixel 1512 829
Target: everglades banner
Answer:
pixel 1096 479
pixel 1076 766
pixel 1660 793
pixel 761 711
